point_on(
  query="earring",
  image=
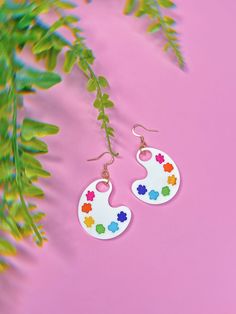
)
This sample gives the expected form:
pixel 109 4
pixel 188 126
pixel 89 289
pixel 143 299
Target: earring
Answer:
pixel 96 215
pixel 163 179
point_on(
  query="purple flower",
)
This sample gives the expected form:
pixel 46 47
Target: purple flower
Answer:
pixel 142 189
pixel 122 216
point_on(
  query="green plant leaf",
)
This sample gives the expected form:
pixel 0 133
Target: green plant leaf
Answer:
pixel 168 20
pixel 108 104
pixel 65 5
pixel 6 248
pixel 97 103
pixel 32 128
pixel 32 191
pixel 91 85
pixel 29 76
pixel 3 266
pixel 34 146
pixel 6 170
pixel 166 3
pixel 103 81
pixel 70 60
pixel 52 59
pixel 33 172
pixel 43 44
pixel 153 28
pixel 30 161
pixel 129 6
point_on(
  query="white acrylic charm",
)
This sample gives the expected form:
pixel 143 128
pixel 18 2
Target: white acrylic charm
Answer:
pixel 97 217
pixel 162 181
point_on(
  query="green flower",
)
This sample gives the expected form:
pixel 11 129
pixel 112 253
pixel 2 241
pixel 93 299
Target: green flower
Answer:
pixel 165 191
pixel 100 229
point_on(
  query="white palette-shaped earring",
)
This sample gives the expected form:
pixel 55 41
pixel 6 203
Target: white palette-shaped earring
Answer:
pixel 96 215
pixel 162 181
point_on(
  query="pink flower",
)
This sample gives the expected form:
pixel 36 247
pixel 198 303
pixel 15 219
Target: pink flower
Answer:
pixel 90 196
pixel 160 158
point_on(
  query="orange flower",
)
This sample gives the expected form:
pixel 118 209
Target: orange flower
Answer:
pixel 86 208
pixel 172 180
pixel 168 167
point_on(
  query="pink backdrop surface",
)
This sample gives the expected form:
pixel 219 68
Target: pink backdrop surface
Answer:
pixel 178 258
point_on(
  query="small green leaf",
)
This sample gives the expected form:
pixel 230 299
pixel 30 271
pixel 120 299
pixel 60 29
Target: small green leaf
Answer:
pixel 44 44
pixel 166 3
pixel 6 248
pixel 32 128
pixel 37 217
pixel 6 170
pixel 34 146
pixel 153 28
pixel 71 19
pixel 30 76
pixel 70 60
pixel 91 85
pixel 52 59
pixel 97 103
pixel 103 81
pixel 129 6
pixel 5 147
pixel 171 31
pixel 13 227
pixel 32 173
pixel 30 161
pixel 110 131
pixel 168 20
pixel 108 104
pixel 65 5
pixel 32 191
pixel 3 266
pixel 25 21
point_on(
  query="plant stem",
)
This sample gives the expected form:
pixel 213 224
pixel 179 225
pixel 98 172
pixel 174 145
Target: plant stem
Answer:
pixel 93 76
pixel 173 45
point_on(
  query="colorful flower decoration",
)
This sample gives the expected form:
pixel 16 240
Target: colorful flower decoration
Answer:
pixel 100 229
pixel 122 216
pixel 90 196
pixel 113 227
pixel 168 167
pixel 142 189
pixel 86 208
pixel 153 195
pixel 160 158
pixel 165 191
pixel 172 180
pixel 89 221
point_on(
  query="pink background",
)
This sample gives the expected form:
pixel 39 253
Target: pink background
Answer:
pixel 179 258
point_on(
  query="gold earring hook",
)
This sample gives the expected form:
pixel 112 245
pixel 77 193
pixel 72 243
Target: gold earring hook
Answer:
pixel 105 172
pixel 143 143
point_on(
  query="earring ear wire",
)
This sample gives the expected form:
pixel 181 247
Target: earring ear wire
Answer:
pixel 105 172
pixel 142 140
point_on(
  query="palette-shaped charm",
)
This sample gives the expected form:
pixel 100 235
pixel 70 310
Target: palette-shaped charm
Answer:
pixel 162 181
pixel 96 215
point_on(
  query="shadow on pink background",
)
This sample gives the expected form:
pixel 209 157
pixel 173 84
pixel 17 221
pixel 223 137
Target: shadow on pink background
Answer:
pixel 177 258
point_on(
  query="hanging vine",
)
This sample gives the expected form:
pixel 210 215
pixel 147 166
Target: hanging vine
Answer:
pixel 21 27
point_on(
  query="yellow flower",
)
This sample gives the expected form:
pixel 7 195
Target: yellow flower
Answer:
pixel 172 180
pixel 89 221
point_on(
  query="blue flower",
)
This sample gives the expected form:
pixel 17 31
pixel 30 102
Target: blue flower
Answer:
pixel 153 195
pixel 113 227
pixel 121 216
pixel 142 189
